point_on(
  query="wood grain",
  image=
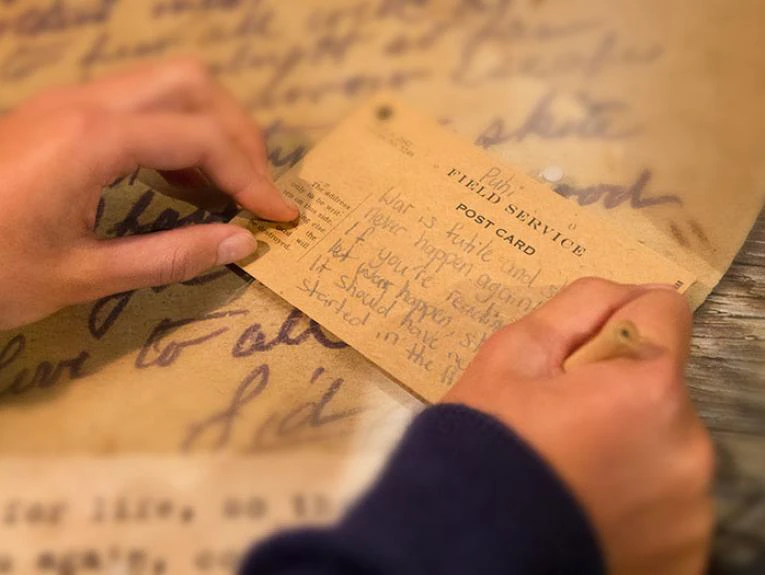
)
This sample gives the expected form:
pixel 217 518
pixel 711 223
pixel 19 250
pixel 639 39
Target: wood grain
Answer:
pixel 727 382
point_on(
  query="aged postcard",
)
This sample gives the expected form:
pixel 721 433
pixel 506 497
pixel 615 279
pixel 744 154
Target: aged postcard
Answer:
pixel 414 246
pixel 609 104
pixel 143 515
pixel 603 101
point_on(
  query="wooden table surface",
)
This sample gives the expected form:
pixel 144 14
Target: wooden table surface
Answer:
pixel 727 382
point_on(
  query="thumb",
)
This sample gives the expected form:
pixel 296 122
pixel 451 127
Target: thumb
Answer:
pixel 111 266
pixel 663 319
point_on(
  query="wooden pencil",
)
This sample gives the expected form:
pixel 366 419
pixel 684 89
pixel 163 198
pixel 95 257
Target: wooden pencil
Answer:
pixel 616 339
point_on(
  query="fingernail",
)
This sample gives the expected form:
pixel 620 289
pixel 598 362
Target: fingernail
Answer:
pixel 293 205
pixel 289 202
pixel 262 170
pixel 668 287
pixel 236 248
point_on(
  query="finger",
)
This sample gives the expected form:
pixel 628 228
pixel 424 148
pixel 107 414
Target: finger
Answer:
pixel 189 185
pixel 174 85
pixel 182 85
pixel 241 126
pixel 104 267
pixel 173 142
pixel 652 379
pixel 663 320
pixel 536 345
pixel 575 315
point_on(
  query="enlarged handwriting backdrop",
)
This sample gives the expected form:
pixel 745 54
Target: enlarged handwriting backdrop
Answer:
pixel 647 112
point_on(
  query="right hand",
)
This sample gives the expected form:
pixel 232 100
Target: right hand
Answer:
pixel 622 433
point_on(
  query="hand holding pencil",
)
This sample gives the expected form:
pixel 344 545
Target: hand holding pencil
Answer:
pixel 593 380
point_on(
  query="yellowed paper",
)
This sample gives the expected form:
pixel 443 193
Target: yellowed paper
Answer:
pixel 646 111
pixel 161 516
pixel 611 105
pixel 655 122
pixel 205 366
pixel 414 246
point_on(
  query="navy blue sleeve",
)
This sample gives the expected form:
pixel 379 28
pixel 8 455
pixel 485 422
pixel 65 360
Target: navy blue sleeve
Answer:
pixel 461 494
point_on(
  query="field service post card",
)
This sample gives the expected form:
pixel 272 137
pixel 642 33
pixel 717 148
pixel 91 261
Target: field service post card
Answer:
pixel 414 246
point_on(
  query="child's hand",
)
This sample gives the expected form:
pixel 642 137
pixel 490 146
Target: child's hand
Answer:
pixel 59 150
pixel 622 433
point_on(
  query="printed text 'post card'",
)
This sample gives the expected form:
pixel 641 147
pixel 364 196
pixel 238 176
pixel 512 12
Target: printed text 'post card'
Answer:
pixel 414 246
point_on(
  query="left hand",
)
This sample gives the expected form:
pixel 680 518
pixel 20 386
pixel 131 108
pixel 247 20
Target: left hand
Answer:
pixel 60 149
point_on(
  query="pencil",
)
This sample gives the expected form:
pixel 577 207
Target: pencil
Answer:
pixel 617 339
